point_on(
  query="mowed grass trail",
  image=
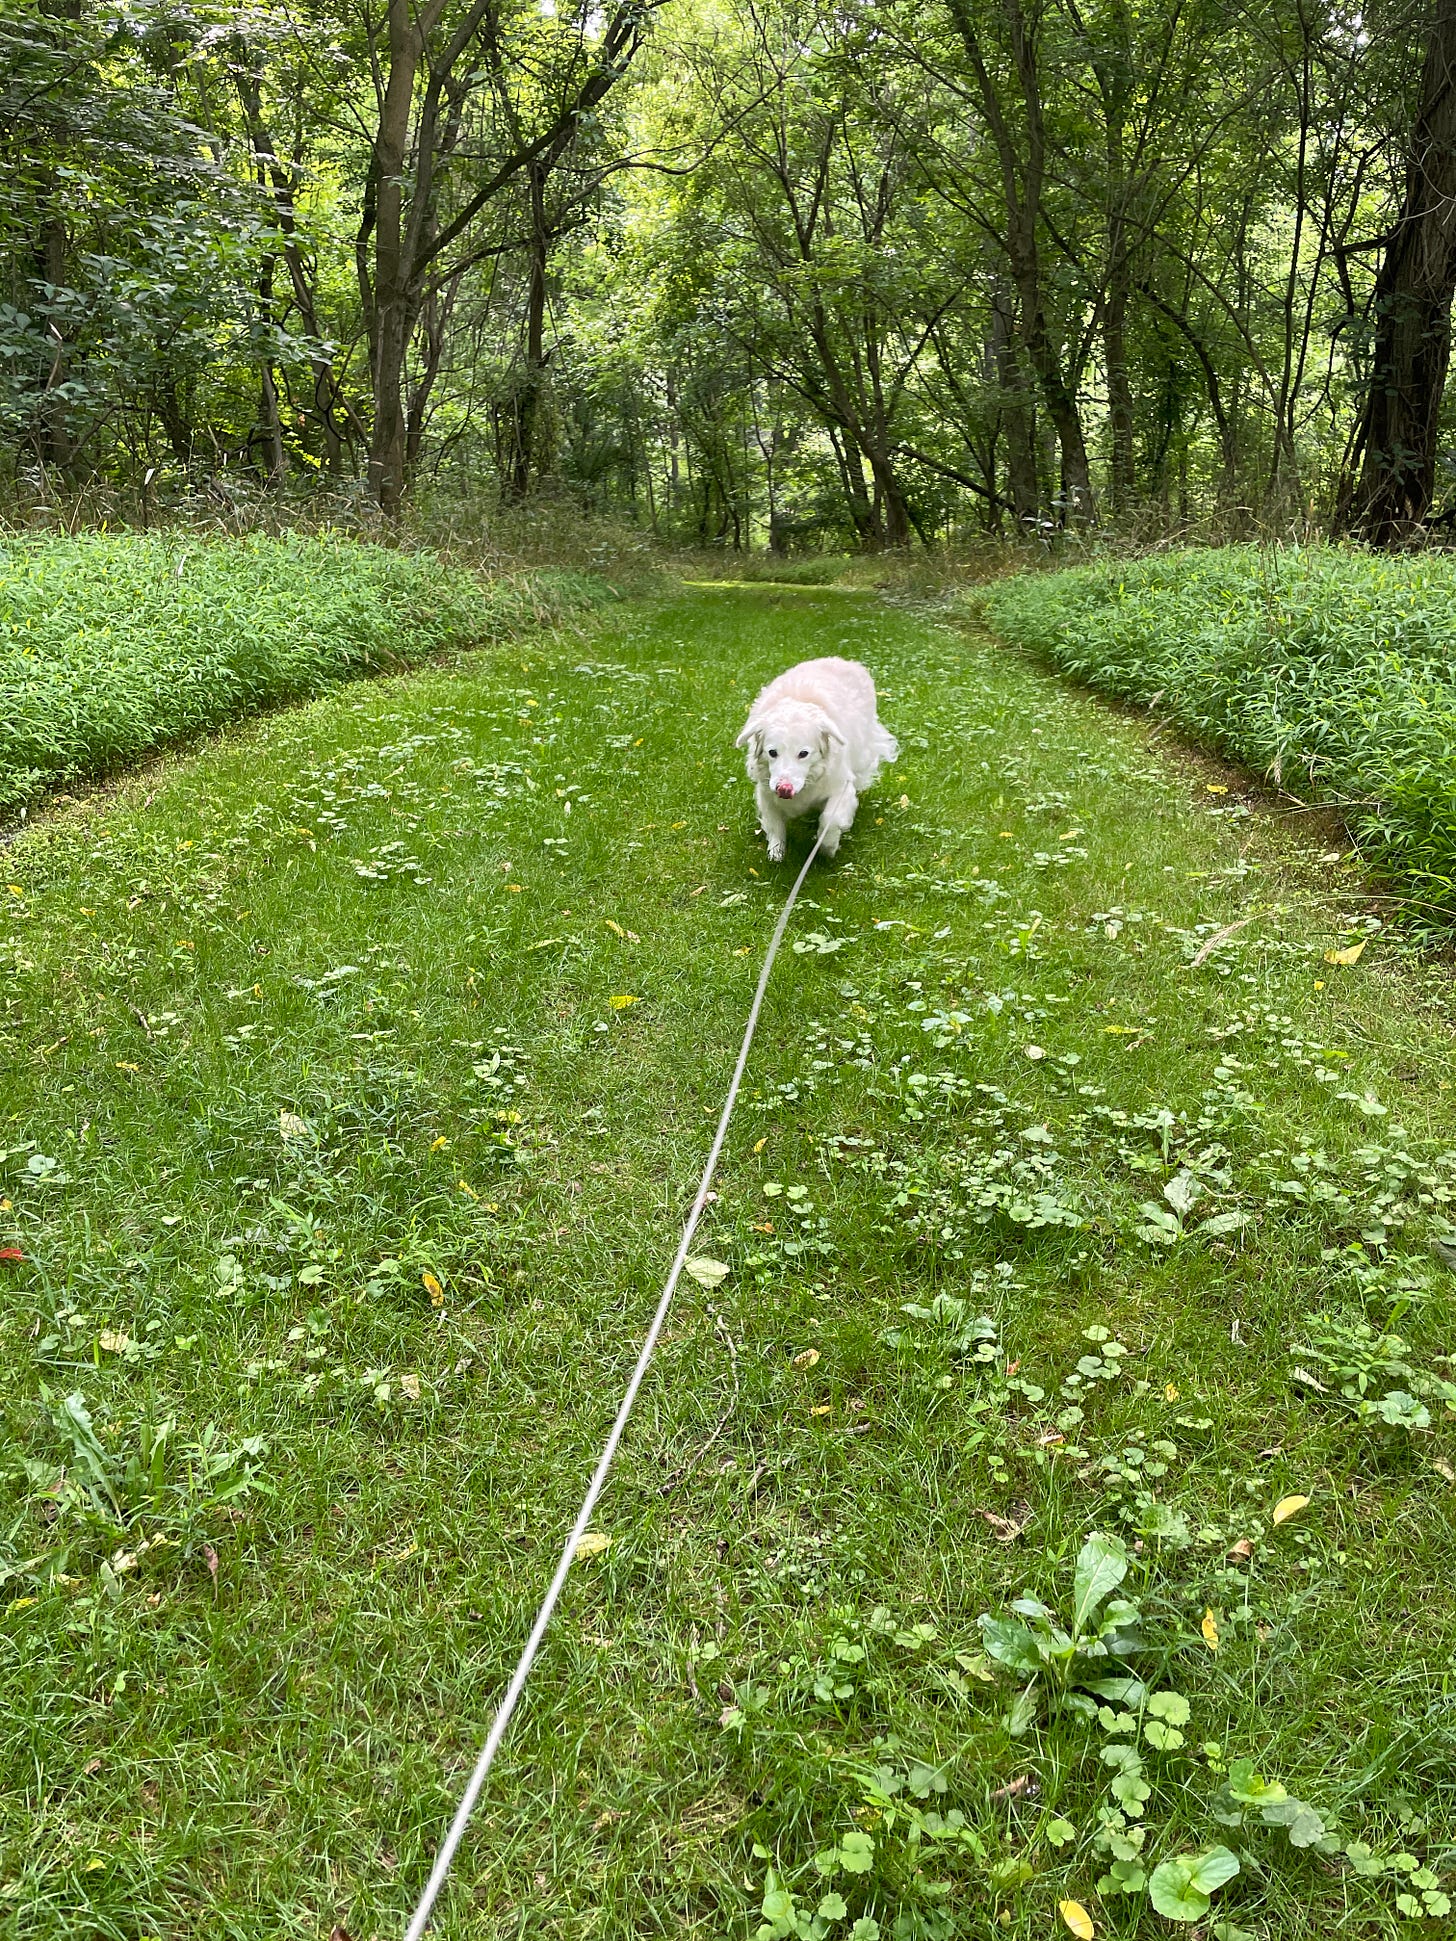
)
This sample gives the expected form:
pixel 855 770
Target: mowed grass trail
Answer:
pixel 358 1074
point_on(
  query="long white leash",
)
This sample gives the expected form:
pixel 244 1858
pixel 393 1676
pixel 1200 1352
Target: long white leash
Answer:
pixel 450 1844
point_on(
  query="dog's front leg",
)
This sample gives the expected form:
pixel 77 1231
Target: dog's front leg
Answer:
pixel 774 824
pixel 836 816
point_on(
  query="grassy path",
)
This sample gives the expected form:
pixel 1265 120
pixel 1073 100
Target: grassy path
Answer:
pixel 357 1072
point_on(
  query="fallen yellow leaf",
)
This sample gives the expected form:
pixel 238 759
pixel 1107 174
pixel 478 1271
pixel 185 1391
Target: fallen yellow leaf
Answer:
pixel 824 1408
pixel 1350 955
pixel 761 1144
pixel 707 1273
pixel 1170 1393
pixel 439 1145
pixel 433 1288
pixel 1289 1506
pixel 807 1359
pixel 621 1001
pixel 1077 1919
pixel 1209 1628
pixel 593 1544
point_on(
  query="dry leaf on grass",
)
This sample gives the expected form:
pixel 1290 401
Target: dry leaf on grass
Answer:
pixel 1077 1919
pixel 1289 1506
pixel 707 1273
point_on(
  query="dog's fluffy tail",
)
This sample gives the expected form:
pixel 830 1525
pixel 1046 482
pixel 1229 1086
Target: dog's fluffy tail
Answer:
pixel 887 749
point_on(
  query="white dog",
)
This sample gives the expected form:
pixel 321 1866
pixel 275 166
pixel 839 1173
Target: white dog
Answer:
pixel 814 741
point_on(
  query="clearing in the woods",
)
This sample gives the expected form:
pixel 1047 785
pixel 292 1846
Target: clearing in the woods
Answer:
pixel 1080 1205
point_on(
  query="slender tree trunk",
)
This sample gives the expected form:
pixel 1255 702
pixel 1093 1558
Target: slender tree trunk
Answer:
pixel 894 522
pixel 1021 154
pixel 1121 420
pixel 270 421
pixel 1412 306
pixel 529 395
pixel 54 442
pixel 1017 416
pixel 393 321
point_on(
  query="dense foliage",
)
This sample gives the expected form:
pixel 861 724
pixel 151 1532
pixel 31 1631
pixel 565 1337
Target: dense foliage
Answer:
pixel 767 272
pixel 1329 670
pixel 110 646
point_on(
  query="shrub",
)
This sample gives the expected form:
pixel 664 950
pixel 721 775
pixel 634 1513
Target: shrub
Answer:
pixel 1328 669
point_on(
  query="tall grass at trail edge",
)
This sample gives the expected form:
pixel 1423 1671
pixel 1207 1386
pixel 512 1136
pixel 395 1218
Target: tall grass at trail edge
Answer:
pixel 113 645
pixel 1329 670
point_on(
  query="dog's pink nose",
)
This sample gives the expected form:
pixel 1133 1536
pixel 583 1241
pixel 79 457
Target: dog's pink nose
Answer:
pixel 784 788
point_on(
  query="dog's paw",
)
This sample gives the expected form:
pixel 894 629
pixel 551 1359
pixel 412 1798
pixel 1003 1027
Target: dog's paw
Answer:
pixel 775 849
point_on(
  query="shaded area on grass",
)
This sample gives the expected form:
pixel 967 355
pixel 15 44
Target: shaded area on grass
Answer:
pixel 1329 670
pixel 113 645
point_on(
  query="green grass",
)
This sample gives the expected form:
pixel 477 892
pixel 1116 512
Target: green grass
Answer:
pixel 1329 670
pixel 327 1017
pixel 111 646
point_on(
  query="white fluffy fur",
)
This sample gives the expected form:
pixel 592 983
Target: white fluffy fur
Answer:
pixel 814 742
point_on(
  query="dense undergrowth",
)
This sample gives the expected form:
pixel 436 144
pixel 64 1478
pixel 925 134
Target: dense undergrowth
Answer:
pixel 112 645
pixel 1328 669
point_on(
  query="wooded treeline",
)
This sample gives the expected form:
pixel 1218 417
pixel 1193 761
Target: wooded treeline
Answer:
pixel 757 272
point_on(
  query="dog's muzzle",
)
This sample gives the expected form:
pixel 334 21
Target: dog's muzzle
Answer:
pixel 786 789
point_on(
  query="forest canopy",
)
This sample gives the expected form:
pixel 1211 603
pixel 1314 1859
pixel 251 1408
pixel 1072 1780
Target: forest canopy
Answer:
pixel 751 272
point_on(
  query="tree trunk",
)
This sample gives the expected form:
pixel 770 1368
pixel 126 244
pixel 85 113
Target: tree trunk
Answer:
pixel 1017 417
pixel 270 420
pixel 1114 350
pixel 53 440
pixel 393 322
pixel 1022 158
pixel 1412 306
pixel 527 402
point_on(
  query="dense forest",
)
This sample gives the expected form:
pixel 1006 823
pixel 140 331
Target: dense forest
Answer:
pixel 751 272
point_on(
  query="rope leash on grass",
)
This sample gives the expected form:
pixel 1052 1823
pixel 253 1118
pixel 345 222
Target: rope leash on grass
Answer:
pixel 449 1846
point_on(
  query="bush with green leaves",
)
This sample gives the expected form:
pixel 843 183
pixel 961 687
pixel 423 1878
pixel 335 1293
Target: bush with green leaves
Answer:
pixel 112 645
pixel 1325 668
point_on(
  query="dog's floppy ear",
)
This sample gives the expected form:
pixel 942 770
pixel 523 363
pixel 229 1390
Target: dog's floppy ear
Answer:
pixel 830 733
pixel 750 729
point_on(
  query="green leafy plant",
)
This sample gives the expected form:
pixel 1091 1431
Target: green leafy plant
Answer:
pixel 1058 1655
pixel 1370 1374
pixel 157 1488
pixel 1182 1888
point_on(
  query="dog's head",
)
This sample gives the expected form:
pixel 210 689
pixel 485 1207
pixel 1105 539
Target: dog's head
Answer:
pixel 789 745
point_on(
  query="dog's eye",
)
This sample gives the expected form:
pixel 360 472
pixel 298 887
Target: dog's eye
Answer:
pixel 803 754
pixel 774 752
